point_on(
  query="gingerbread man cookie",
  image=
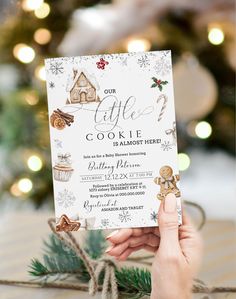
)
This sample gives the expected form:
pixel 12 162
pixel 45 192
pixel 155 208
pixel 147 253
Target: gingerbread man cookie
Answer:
pixel 167 182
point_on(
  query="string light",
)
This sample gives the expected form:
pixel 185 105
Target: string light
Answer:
pixel 138 45
pixel 34 163
pixel 15 190
pixel 43 11
pixel 31 98
pixel 40 73
pixel 203 129
pixel 42 36
pixel 216 36
pixel 184 161
pixel 25 185
pixel 24 53
pixel 29 5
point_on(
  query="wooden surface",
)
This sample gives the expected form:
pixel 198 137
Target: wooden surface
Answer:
pixel 21 238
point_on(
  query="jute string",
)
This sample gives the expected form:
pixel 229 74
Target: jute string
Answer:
pixel 95 267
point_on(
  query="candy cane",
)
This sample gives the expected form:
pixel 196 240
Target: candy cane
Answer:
pixel 162 96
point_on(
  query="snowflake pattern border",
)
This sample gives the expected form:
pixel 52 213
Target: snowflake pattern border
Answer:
pixel 105 222
pixel 125 216
pixel 162 67
pixel 154 216
pixel 166 146
pixel 56 68
pixel 144 61
pixel 65 198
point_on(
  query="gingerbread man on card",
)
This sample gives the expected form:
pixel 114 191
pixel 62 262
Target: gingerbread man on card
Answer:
pixel 167 182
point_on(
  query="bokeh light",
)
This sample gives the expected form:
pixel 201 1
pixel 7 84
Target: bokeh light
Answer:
pixel 24 53
pixel 43 11
pixel 203 129
pixel 34 163
pixel 138 45
pixel 31 98
pixel 42 36
pixel 15 190
pixel 184 161
pixel 25 185
pixel 29 5
pixel 216 36
pixel 40 72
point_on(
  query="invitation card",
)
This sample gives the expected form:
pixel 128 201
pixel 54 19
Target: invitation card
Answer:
pixel 113 139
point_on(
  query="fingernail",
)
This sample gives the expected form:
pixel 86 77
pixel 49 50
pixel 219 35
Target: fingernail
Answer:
pixel 170 203
pixel 109 249
pixel 112 234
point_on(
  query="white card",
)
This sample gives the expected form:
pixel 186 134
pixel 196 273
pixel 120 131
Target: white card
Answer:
pixel 113 138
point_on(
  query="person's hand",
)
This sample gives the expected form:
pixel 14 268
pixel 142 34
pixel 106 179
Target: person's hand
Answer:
pixel 177 251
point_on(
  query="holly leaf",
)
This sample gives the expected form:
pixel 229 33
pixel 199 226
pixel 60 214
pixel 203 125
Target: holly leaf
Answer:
pixel 164 82
pixel 154 79
pixel 154 85
pixel 160 87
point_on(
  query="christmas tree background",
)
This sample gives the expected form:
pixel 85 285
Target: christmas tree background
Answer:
pixel 202 41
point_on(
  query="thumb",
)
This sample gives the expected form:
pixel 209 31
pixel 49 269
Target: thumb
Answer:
pixel 168 221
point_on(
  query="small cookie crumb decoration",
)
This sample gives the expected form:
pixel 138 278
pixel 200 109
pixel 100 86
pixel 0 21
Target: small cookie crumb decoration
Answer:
pixel 167 182
pixel 60 119
pixel 62 170
pixel 65 224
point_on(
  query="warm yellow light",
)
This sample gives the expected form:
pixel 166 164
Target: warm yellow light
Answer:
pixel 15 190
pixel 42 36
pixel 40 73
pixel 31 98
pixel 43 11
pixel 29 5
pixel 138 45
pixel 216 36
pixel 184 161
pixel 24 53
pixel 203 129
pixel 34 163
pixel 25 185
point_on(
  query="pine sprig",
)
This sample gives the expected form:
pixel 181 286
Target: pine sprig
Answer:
pixel 61 262
pixel 134 281
pixel 37 268
pixel 95 244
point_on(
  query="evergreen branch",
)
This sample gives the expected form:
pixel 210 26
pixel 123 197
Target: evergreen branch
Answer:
pixel 61 262
pixel 37 268
pixel 95 244
pixel 134 281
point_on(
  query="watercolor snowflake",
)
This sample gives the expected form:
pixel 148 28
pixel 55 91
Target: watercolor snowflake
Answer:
pixel 153 216
pixel 162 67
pixel 58 143
pixel 51 85
pixel 123 61
pixel 66 198
pixel 144 61
pixel 56 68
pixel 105 222
pixel 166 146
pixel 125 216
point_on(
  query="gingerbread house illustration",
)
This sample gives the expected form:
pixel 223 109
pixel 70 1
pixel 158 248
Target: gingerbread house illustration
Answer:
pixel 82 89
